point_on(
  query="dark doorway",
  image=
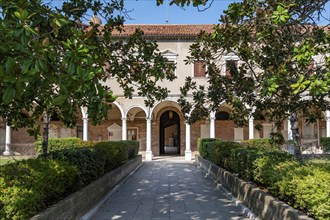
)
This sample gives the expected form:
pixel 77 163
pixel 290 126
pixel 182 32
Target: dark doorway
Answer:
pixel 169 133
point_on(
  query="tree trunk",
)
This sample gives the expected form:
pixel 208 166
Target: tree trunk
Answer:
pixel 45 134
pixel 296 137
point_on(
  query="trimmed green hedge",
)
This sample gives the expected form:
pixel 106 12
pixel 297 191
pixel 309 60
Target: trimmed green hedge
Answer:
pixel 89 162
pixel 325 142
pixel 219 151
pixel 63 143
pixel 116 152
pixel 303 186
pixel 29 186
pixel 133 148
pixel 202 145
pixel 262 143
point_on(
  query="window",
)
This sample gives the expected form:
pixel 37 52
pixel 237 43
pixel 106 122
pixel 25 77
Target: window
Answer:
pixel 230 64
pixel 172 63
pixel 135 68
pixel 200 69
pixel 132 134
pixel 107 69
pixel 80 132
pixel 312 67
pixel 222 115
pixel 171 57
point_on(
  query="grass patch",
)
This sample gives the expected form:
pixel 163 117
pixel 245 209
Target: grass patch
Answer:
pixel 9 159
pixel 319 161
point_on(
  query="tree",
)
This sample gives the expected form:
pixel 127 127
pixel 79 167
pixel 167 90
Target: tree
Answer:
pixel 52 63
pixel 276 43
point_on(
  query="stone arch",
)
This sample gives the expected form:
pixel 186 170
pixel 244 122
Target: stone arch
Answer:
pixel 120 108
pixel 136 106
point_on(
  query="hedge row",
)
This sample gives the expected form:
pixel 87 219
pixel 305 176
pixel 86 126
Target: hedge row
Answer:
pixel 325 142
pixel 262 143
pixel 29 186
pixel 303 186
pixel 63 143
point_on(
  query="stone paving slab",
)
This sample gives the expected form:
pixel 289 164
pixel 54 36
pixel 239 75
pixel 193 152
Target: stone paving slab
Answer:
pixel 168 188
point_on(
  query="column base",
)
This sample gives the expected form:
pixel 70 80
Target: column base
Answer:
pixel 148 156
pixel 187 155
pixel 6 153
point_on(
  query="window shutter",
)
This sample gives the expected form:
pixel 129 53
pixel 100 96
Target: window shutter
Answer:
pixel 229 65
pixel 106 68
pixel 311 67
pixel 199 69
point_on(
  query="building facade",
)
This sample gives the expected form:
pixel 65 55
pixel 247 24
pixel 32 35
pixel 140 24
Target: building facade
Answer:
pixel 162 129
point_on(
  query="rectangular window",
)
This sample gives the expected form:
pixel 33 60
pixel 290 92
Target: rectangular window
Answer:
pixel 312 67
pixel 135 68
pixel 200 69
pixel 132 134
pixel 230 64
pixel 107 68
pixel 174 64
pixel 80 132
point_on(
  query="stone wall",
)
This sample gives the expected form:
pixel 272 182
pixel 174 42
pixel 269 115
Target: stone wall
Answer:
pixel 79 203
pixel 262 204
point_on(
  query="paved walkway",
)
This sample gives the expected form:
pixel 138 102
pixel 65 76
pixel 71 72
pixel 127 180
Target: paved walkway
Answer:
pixel 168 188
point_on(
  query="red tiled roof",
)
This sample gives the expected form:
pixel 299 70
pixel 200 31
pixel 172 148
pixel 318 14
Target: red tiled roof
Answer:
pixel 165 30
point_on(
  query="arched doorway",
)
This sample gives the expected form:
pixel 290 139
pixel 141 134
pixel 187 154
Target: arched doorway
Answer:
pixel 169 133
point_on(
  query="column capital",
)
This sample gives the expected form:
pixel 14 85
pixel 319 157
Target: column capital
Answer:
pixel 212 114
pixel 124 119
pixel 84 111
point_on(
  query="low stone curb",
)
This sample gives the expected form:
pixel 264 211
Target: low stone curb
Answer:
pixel 260 203
pixel 80 202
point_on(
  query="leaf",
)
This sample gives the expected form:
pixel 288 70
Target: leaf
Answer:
pixel 18 15
pixel 8 95
pixel 10 65
pixel 59 100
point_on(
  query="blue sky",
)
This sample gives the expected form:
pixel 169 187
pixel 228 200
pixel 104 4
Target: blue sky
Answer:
pixel 147 12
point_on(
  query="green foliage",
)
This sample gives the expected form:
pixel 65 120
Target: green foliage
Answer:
pixel 116 152
pixel 262 143
pixel 275 43
pixel 203 145
pixel 29 186
pixel 220 151
pixel 89 162
pixel 271 166
pixel 303 186
pixel 307 188
pixel 241 161
pixel 325 142
pixel 63 143
pixel 133 148
pixel 51 63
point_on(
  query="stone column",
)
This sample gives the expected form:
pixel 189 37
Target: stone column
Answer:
pixel 124 129
pixel 8 141
pixel 148 138
pixel 290 137
pixel 212 125
pixel 251 127
pixel 188 150
pixel 327 115
pixel 85 123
